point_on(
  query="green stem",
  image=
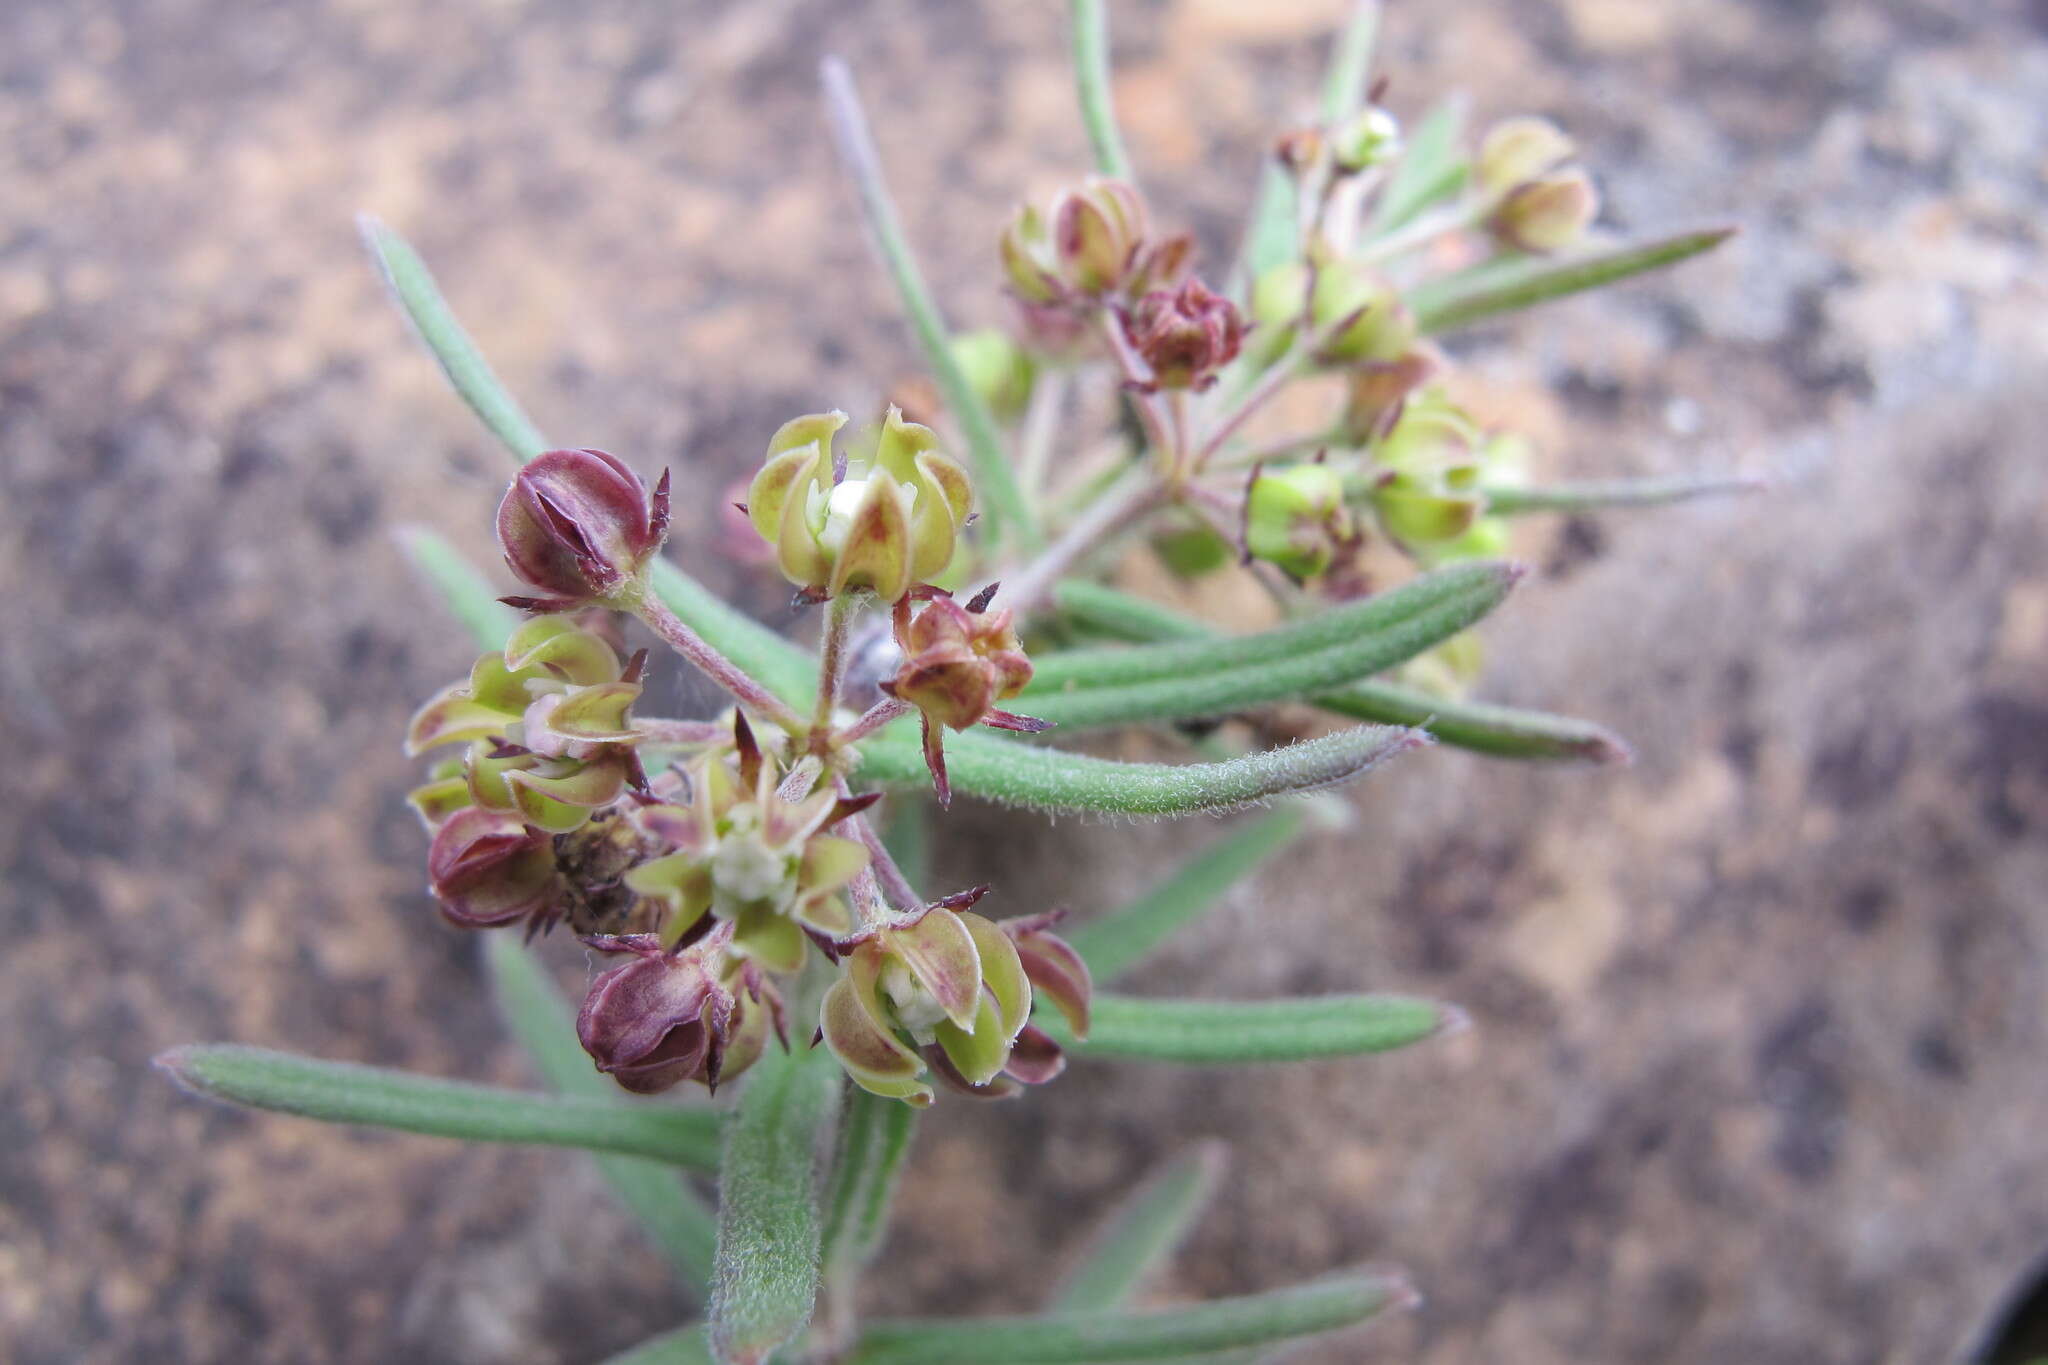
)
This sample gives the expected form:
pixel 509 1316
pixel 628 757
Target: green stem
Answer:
pixel 1091 75
pixel 1003 502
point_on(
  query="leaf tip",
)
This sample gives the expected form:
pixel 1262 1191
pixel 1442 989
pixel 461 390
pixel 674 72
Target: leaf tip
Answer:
pixel 1451 1020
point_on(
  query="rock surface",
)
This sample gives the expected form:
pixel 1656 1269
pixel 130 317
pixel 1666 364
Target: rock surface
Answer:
pixel 1755 1076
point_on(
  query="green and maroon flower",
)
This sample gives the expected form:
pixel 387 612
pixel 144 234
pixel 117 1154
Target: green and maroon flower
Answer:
pixel 489 868
pixel 751 856
pixel 958 662
pixel 1094 245
pixel 1185 335
pixel 547 725
pixel 884 518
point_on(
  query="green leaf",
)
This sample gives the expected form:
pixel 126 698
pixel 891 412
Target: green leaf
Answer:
pixel 1590 496
pixel 1502 731
pixel 1454 301
pixel 1211 677
pixel 1051 779
pixel 1234 1032
pixel 874 1138
pixel 1001 498
pixel 1272 235
pixel 1432 170
pixel 1458 586
pixel 1091 77
pixel 466 591
pixel 343 1092
pixel 1119 940
pixel 1141 1232
pixel 1344 84
pixel 1166 1334
pixel 413 287
pixel 671 1214
pixel 684 1346
pixel 766 1281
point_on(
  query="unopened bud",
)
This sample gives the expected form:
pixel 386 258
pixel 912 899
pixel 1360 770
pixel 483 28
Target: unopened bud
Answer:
pixel 1296 519
pixel 1547 214
pixel 1370 138
pixel 662 1018
pixel 1381 327
pixel 1518 150
pixel 996 368
pixel 489 867
pixel 580 526
pixel 1185 335
pixel 958 662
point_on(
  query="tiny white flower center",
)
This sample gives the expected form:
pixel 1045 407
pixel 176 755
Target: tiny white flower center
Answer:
pixel 745 870
pixel 917 1009
pixel 840 505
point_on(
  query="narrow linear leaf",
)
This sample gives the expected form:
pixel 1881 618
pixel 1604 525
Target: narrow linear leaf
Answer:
pixel 1167 1334
pixel 1140 1233
pixel 1272 235
pixel 1001 498
pixel 1054 780
pixel 466 591
pixel 1590 496
pixel 683 1346
pixel 1344 84
pixel 1502 731
pixel 674 1218
pixel 1119 940
pixel 874 1138
pixel 1091 77
pixel 1175 660
pixel 1432 170
pixel 766 1281
pixel 343 1092
pixel 1446 304
pixel 412 285
pixel 1234 1032
pixel 1243 672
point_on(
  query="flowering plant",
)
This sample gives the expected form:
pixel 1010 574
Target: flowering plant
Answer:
pixel 757 930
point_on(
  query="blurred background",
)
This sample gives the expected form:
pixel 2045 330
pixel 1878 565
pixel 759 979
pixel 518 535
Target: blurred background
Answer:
pixel 1756 1074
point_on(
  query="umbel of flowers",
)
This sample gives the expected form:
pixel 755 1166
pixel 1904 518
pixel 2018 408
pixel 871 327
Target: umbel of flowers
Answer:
pixel 746 860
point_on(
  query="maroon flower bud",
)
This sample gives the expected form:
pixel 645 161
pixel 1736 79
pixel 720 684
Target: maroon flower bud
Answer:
pixel 1185 335
pixel 579 526
pixel 958 662
pixel 661 1018
pixel 487 867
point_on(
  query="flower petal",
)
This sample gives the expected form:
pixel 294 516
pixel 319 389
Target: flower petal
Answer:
pixel 872 1056
pixel 940 953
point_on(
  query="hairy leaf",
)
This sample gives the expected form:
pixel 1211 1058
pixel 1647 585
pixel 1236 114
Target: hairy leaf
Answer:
pixel 874 1138
pixel 675 1219
pixel 413 287
pixel 999 495
pixel 1119 940
pixel 1091 78
pixel 1230 1032
pixel 1165 1334
pixel 1021 774
pixel 1502 731
pixel 1432 170
pixel 766 1280
pixel 1141 1232
pixel 1590 496
pixel 683 1346
pixel 1487 291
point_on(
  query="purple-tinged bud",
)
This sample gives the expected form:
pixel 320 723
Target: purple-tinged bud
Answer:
pixel 1057 973
pixel 958 662
pixel 1516 151
pixel 662 1018
pixel 1548 214
pixel 1097 232
pixel 1185 335
pixel 488 868
pixel 580 526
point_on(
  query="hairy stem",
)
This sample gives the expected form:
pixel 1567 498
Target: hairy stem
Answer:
pixel 839 616
pixel 714 665
pixel 895 886
pixel 871 720
pixel 656 731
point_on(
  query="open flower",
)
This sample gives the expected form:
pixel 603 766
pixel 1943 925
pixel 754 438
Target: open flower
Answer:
pixel 579 526
pixel 661 1017
pixel 884 518
pixel 751 857
pixel 546 721
pixel 949 992
pixel 958 662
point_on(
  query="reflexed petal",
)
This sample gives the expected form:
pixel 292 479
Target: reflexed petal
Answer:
pixel 1002 971
pixel 828 915
pixel 941 954
pixel 979 1052
pixel 877 551
pixel 434 802
pixel 561 650
pixel 775 941
pixel 452 716
pixel 1035 1058
pixel 493 683
pixel 597 714
pixel 769 494
pixel 830 862
pixel 870 1053
pixel 1058 973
